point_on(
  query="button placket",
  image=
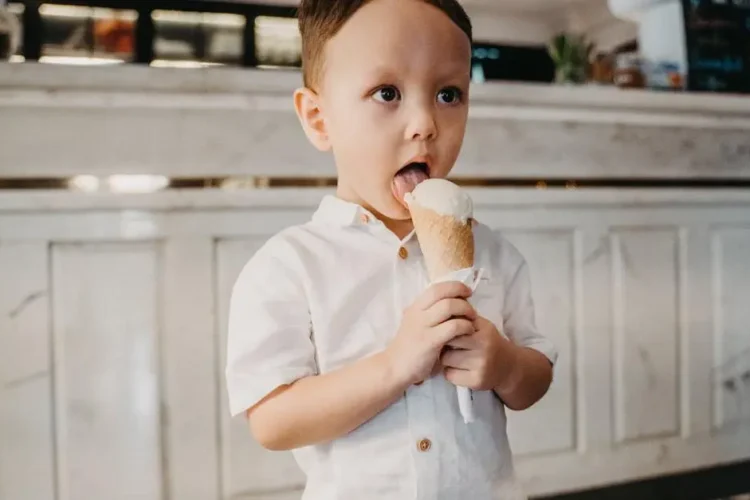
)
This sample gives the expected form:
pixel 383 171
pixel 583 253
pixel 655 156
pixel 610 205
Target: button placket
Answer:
pixel 420 404
pixel 424 430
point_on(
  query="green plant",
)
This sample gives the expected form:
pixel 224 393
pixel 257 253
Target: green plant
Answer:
pixel 571 55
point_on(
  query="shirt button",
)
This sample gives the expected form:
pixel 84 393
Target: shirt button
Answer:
pixel 364 218
pixel 403 253
pixel 419 383
pixel 424 445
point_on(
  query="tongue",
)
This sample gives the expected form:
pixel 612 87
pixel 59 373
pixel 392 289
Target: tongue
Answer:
pixel 406 181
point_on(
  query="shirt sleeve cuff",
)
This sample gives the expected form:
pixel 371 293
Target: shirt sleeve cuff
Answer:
pixel 248 389
pixel 545 347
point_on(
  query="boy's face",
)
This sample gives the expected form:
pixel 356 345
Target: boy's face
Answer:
pixel 393 90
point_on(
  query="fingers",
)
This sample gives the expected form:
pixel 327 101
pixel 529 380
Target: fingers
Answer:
pixel 459 358
pixel 482 323
pixel 440 291
pixel 461 378
pixel 451 329
pixel 450 308
pixel 465 342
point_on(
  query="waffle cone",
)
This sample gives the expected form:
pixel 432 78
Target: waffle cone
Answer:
pixel 447 243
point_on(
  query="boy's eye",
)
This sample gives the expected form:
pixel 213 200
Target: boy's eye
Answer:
pixel 387 94
pixel 449 96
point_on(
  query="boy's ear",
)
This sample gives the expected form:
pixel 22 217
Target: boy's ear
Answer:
pixel 310 114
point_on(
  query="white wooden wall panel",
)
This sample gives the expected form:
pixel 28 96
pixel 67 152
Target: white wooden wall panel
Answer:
pixel 248 469
pixel 594 347
pixel 191 371
pixel 106 378
pixel 646 338
pixel 644 294
pixel 732 334
pixel 27 466
pixel 550 426
pixel 697 349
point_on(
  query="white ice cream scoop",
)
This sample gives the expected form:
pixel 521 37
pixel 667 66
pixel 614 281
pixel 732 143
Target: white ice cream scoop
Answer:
pixel 443 197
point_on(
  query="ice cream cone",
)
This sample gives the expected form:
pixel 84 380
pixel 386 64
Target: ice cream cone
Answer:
pixel 447 243
pixel 443 219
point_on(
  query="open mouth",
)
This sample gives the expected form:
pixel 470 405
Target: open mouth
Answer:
pixel 407 179
pixel 415 167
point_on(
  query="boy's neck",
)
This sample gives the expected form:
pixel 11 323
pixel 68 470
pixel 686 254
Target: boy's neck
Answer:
pixel 401 228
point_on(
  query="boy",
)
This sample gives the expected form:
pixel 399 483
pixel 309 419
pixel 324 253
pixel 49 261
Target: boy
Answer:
pixel 336 351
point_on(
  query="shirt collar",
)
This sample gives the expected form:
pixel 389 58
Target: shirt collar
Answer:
pixel 336 211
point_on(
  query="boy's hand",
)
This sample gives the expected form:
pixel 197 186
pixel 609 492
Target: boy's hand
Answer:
pixel 482 361
pixel 441 314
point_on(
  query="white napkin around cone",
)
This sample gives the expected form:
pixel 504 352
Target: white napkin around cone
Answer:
pixel 470 277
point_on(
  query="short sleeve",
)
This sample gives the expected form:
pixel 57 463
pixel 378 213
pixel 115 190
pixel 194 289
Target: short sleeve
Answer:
pixel 518 314
pixel 268 340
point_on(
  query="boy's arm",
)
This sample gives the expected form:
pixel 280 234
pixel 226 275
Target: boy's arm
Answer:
pixel 486 360
pixel 324 407
pixel 518 365
pixel 533 355
pixel 529 381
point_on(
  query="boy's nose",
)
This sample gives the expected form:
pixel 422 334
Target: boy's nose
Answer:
pixel 422 126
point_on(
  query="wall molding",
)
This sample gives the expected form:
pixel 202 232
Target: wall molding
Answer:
pixel 59 121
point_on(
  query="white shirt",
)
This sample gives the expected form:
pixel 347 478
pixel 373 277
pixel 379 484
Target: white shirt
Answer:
pixel 325 294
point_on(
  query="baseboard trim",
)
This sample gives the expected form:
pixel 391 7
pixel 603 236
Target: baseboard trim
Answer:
pixel 706 484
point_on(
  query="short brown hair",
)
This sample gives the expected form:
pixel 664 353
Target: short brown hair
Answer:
pixel 320 20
